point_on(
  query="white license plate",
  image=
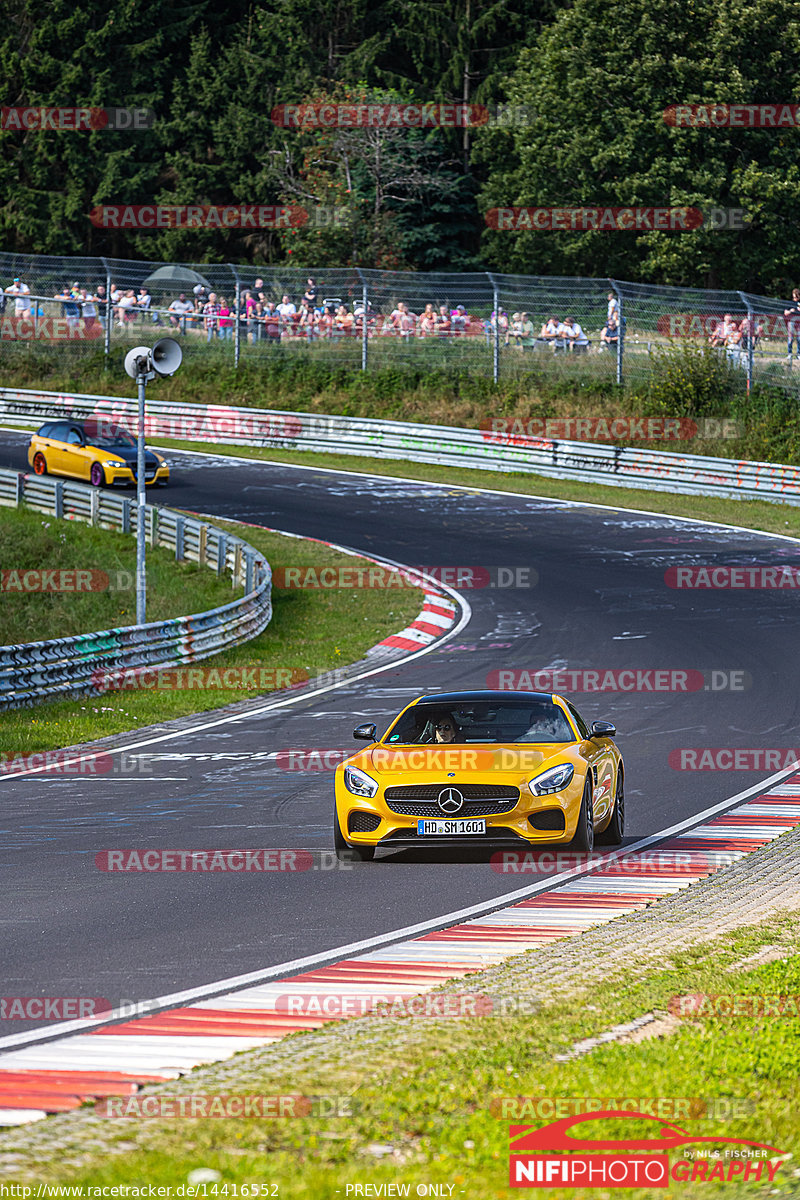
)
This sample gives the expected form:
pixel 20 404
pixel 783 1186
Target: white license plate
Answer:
pixel 450 827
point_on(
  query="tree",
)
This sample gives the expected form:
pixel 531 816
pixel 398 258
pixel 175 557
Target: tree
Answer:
pixel 600 79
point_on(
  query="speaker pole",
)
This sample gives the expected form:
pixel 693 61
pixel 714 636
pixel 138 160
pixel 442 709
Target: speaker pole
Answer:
pixel 141 577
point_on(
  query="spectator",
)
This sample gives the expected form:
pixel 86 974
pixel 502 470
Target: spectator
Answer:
pixel 458 321
pixel 20 291
pixel 286 309
pixel 88 310
pixel 211 317
pixel 343 321
pixel 178 311
pixel 609 337
pixel 442 322
pixel 102 303
pixel 201 297
pixel 144 300
pixel 613 308
pixel 793 325
pixel 721 334
pixel 733 344
pixel 574 337
pixel 512 334
pixel 526 333
pixel 225 321
pixel 549 333
pixel 272 323
pixel 69 308
pixel 310 294
pixel 427 322
pixel 126 309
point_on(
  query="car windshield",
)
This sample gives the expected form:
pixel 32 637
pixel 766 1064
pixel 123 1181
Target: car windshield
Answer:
pixel 482 721
pixel 108 438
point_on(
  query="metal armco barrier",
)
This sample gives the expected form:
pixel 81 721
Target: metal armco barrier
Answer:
pixel 486 450
pixel 91 662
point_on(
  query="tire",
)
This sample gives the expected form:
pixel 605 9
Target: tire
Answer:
pixel 97 475
pixel 40 464
pixel 584 833
pixel 344 851
pixel 612 834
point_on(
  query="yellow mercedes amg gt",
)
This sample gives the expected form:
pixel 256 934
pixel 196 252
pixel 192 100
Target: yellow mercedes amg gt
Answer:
pixel 507 769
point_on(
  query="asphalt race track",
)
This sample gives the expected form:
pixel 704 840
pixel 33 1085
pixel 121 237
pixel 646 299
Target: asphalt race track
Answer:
pixel 600 602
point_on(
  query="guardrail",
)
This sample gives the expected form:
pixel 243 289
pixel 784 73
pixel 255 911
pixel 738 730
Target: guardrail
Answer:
pixel 91 663
pixel 477 449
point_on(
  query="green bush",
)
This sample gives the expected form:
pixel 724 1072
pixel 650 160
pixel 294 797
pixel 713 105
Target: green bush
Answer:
pixel 691 380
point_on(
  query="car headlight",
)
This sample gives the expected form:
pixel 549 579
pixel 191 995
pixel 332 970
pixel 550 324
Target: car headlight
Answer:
pixel 359 783
pixel 554 780
pixel 113 462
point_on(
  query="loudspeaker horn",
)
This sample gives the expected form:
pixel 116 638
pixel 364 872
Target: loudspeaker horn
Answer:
pixel 166 356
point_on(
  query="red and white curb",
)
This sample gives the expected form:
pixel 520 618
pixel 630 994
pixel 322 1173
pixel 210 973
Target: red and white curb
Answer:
pixel 116 1059
pixel 438 616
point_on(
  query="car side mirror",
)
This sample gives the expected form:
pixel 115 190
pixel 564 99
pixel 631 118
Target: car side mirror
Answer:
pixel 603 729
pixel 366 733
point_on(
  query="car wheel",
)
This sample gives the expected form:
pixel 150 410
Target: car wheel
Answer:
pixel 612 834
pixel 584 833
pixel 344 851
pixel 39 464
pixel 97 475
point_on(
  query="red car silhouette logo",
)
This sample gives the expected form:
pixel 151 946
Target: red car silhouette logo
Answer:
pixel 556 1137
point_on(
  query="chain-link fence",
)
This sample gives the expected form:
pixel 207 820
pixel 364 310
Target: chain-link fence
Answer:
pixel 494 325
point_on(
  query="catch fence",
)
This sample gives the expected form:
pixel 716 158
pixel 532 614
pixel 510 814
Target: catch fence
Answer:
pixel 485 323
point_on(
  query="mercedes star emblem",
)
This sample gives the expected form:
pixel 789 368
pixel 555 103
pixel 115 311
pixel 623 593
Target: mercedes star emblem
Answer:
pixel 450 800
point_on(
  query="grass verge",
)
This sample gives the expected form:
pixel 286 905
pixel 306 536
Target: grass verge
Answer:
pixel 424 1101
pixel 311 631
pixel 35 542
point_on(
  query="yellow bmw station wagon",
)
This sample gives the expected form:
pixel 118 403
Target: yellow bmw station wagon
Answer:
pixel 499 769
pixel 102 454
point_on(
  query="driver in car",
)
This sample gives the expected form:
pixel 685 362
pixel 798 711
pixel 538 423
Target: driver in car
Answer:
pixel 445 728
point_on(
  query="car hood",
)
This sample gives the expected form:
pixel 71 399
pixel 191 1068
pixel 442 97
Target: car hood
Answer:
pixel 126 454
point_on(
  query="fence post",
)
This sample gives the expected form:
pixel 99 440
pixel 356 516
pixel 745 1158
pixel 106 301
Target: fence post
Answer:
pixel 496 342
pixel 237 322
pixel 249 568
pixel 107 338
pixel 365 325
pixel 621 338
pixel 179 530
pixel 751 334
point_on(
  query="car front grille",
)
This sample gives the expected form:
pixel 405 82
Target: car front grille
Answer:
pixel 480 799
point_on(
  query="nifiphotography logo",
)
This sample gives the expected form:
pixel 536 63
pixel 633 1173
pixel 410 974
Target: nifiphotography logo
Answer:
pixel 643 1162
